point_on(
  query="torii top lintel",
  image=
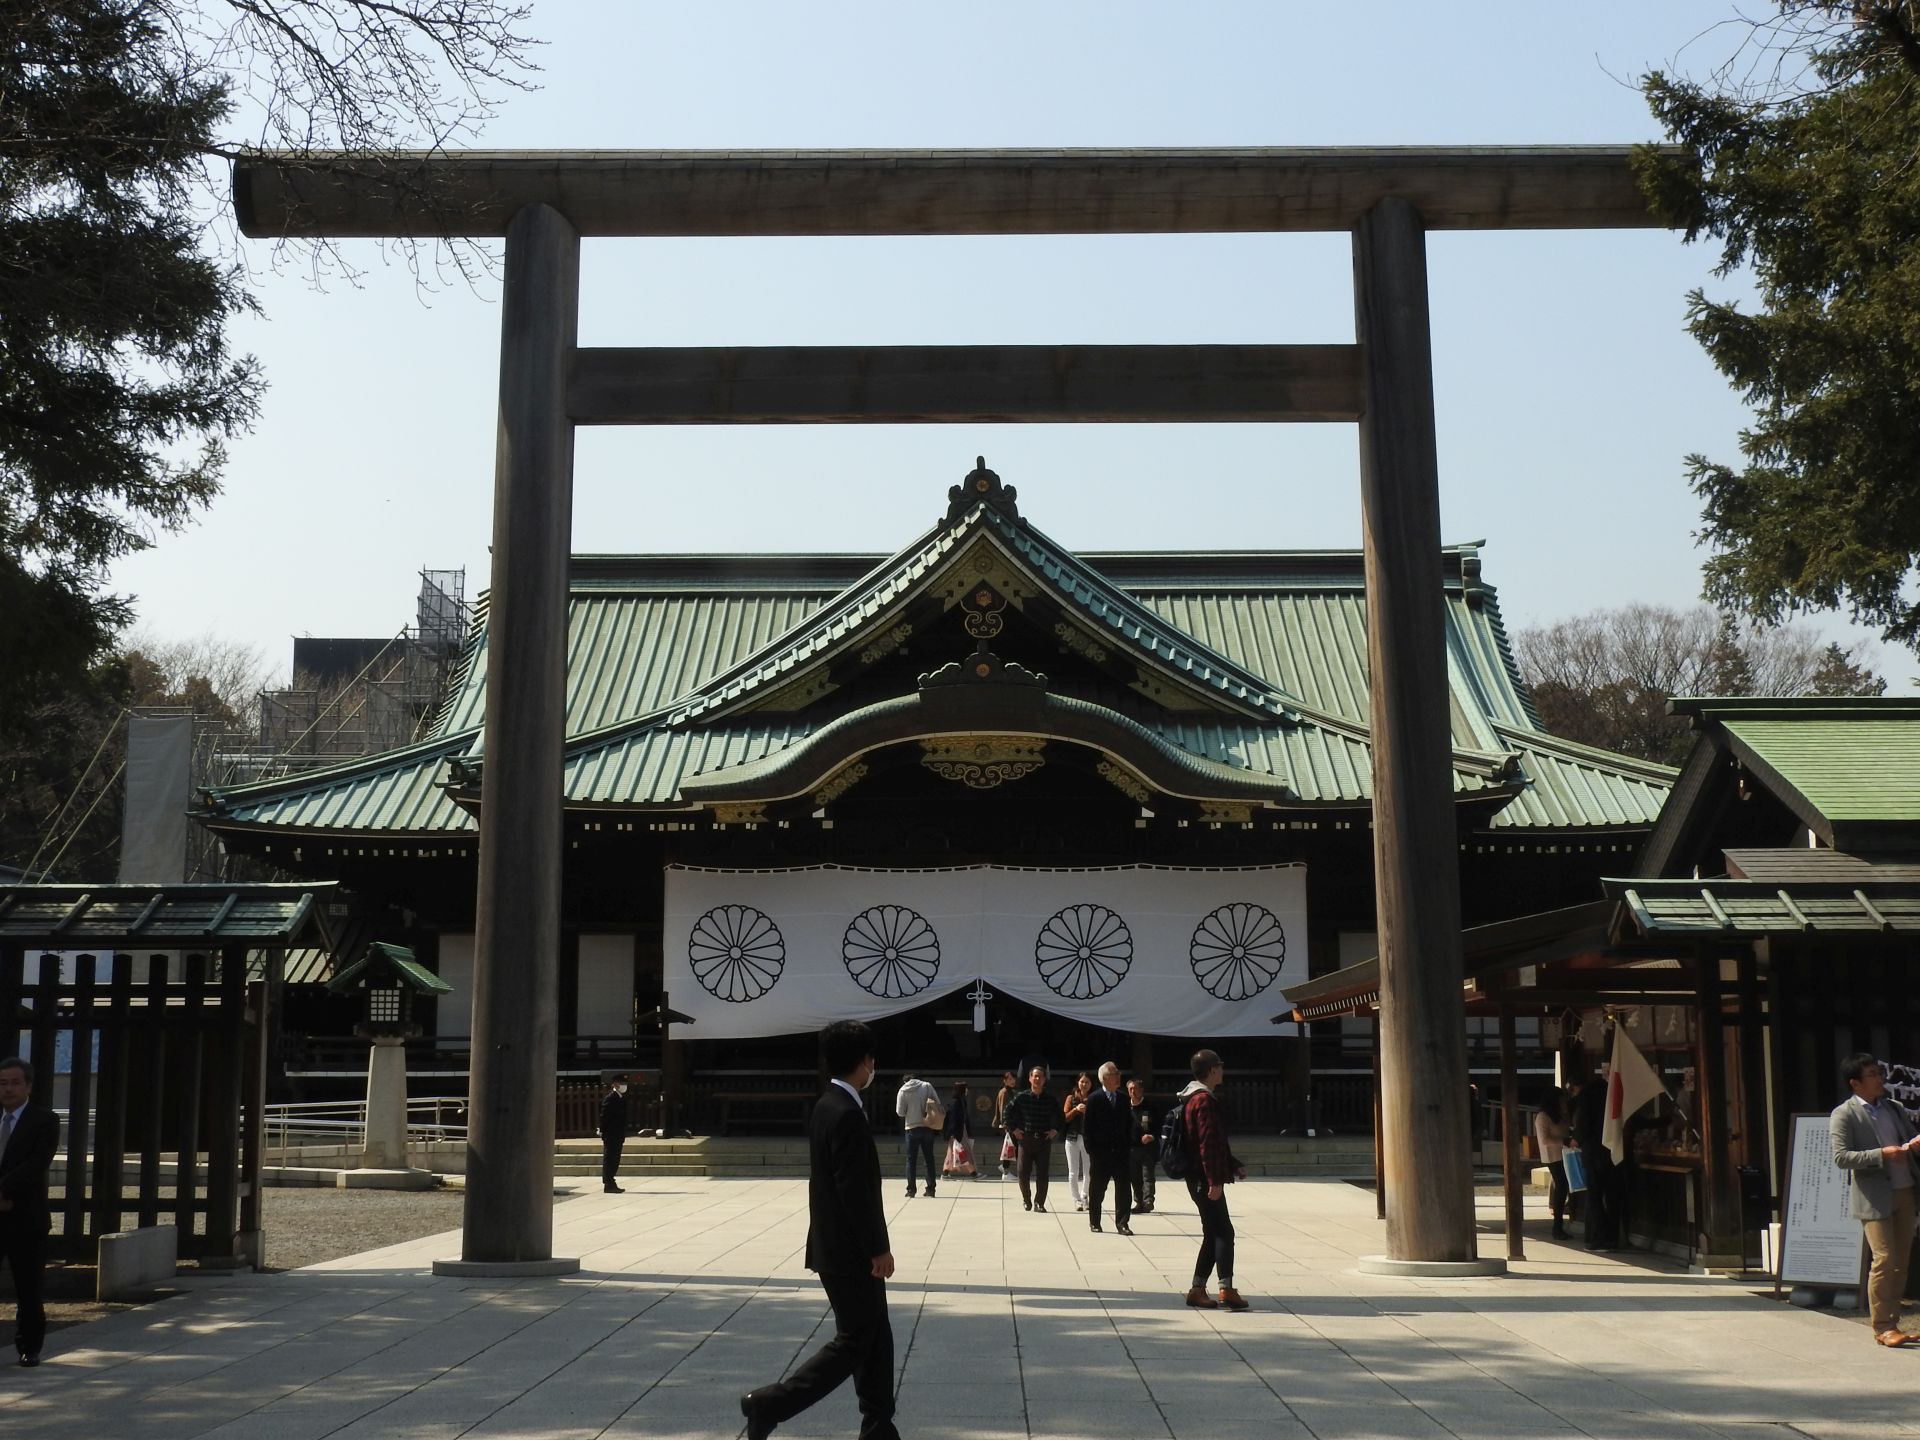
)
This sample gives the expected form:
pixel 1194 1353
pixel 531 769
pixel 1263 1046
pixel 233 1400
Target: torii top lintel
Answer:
pixel 938 192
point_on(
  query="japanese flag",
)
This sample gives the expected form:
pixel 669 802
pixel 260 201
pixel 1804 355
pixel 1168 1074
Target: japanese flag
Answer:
pixel 1631 1083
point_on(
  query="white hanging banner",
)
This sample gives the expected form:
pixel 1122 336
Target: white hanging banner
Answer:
pixel 1152 948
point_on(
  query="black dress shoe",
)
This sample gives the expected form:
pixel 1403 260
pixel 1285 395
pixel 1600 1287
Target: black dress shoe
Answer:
pixel 1095 1227
pixel 612 1190
pixel 1123 1230
pixel 1039 1207
pixel 753 1406
pixel 30 1360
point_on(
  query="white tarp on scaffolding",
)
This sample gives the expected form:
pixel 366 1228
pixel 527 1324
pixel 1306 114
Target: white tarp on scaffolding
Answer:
pixel 1200 952
pixel 153 827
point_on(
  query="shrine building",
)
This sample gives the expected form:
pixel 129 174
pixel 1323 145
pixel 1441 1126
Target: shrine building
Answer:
pixel 998 796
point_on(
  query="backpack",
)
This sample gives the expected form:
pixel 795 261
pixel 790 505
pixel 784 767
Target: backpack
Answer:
pixel 1174 1156
pixel 933 1113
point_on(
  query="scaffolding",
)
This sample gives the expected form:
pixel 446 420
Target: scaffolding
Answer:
pixel 389 701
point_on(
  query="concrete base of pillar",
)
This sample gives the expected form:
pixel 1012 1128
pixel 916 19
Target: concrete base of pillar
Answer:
pixel 1431 1269
pixel 507 1269
pixel 377 1179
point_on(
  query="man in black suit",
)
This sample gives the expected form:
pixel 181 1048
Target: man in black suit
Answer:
pixel 847 1246
pixel 1108 1135
pixel 613 1133
pixel 29 1136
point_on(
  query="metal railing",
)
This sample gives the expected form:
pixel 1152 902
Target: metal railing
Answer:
pixel 342 1125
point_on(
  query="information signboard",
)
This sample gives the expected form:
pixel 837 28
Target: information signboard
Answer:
pixel 1821 1243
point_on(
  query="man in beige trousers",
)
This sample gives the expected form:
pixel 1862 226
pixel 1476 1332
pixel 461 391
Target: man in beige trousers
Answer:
pixel 1874 1140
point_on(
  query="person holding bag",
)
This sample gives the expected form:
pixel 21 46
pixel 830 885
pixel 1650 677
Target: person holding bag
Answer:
pixel 1009 1152
pixel 1550 1134
pixel 959 1154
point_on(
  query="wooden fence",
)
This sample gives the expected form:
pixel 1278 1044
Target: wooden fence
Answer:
pixel 166 1095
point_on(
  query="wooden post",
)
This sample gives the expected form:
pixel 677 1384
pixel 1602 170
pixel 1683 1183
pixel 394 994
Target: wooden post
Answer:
pixel 509 1203
pixel 110 1139
pixel 1720 1182
pixel 1423 1059
pixel 226 1059
pixel 252 1242
pixel 674 1115
pixel 1511 1161
pixel 1141 1061
pixel 159 1042
pixel 189 1071
pixel 77 1135
pixel 1379 1157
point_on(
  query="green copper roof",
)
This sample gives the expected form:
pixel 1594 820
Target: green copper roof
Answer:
pixel 668 655
pixel 1751 908
pixel 383 959
pixel 1849 767
pixel 1852 769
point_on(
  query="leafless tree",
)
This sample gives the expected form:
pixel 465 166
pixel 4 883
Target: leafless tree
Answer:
pixel 1604 678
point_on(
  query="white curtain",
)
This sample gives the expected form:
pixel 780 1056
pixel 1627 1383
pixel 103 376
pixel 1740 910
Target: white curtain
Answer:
pixel 1197 952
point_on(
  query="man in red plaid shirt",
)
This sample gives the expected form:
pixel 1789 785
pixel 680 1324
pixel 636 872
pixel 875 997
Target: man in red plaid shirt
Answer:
pixel 1210 1170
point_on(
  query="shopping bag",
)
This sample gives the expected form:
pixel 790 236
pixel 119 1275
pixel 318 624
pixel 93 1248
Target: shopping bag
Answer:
pixel 1576 1169
pixel 959 1159
pixel 1008 1151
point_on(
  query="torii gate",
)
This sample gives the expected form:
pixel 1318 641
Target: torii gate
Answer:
pixel 544 202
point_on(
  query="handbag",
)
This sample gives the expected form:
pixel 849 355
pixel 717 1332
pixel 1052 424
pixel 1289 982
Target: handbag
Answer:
pixel 1008 1150
pixel 959 1160
pixel 1576 1166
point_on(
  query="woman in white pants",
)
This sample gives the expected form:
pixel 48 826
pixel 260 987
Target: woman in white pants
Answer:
pixel 1075 1109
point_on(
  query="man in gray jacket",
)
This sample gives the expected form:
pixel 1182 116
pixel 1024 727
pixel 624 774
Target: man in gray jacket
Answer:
pixel 920 1125
pixel 1874 1142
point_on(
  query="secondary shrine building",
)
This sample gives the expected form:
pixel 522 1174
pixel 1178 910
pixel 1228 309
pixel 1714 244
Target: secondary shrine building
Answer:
pixel 999 797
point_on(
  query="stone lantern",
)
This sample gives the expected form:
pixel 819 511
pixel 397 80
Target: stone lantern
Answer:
pixel 389 979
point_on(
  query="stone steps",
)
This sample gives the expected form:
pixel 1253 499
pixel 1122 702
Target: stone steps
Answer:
pixel 750 1157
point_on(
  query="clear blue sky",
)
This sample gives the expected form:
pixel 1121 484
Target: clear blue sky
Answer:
pixel 1567 391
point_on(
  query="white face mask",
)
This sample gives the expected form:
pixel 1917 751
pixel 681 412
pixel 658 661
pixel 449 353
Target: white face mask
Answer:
pixel 867 1079
pixel 620 1087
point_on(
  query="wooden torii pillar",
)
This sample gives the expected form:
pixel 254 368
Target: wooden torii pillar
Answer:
pixel 544 202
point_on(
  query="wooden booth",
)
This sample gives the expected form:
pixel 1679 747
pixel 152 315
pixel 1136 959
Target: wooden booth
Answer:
pixel 146 1011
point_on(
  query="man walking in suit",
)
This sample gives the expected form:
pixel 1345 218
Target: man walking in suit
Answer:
pixel 1874 1141
pixel 847 1246
pixel 1108 1133
pixel 613 1133
pixel 29 1136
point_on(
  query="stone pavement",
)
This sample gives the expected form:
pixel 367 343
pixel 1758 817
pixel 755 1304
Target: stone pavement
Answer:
pixel 1006 1325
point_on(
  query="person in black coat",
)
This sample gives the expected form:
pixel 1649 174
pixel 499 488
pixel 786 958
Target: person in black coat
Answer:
pixel 1145 1148
pixel 29 1137
pixel 1599 1202
pixel 847 1246
pixel 1108 1135
pixel 613 1133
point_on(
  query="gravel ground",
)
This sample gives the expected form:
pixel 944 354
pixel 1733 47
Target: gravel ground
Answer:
pixel 304 1227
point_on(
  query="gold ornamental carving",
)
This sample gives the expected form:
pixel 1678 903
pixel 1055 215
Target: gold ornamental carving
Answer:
pixel 1123 780
pixel 983 563
pixel 727 814
pixel 798 694
pixel 841 781
pixel 984 606
pixel 982 762
pixel 1225 812
pixel 886 644
pixel 1080 643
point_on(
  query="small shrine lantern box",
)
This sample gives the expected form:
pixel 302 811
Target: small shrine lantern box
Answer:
pixel 390 979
